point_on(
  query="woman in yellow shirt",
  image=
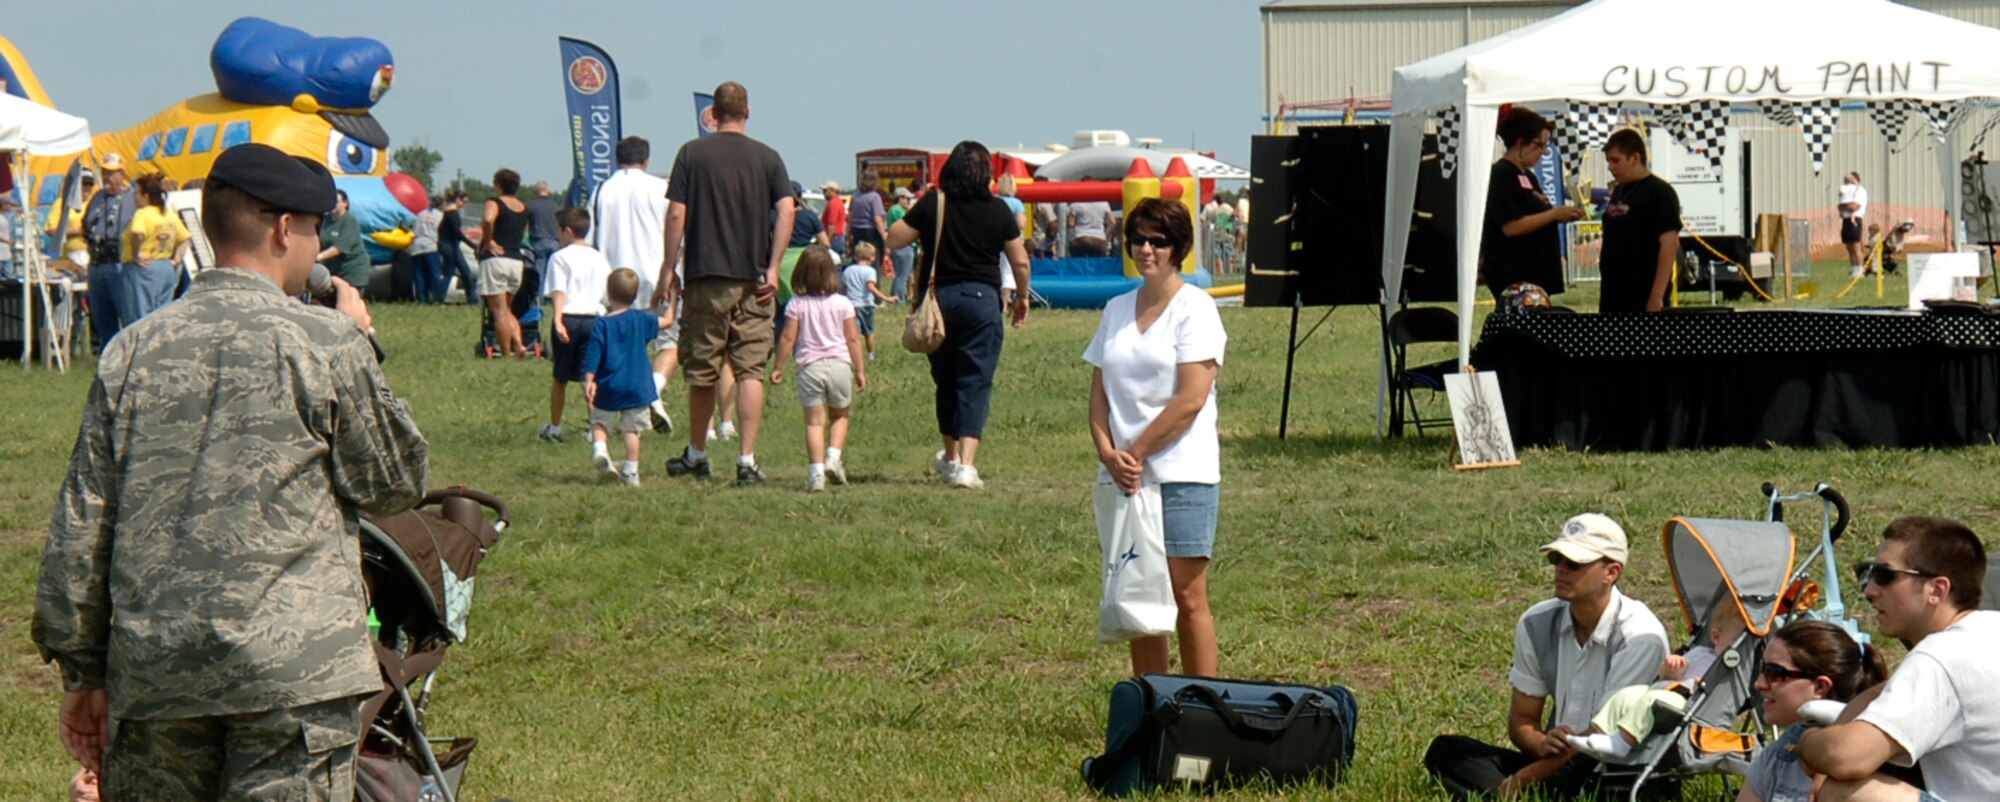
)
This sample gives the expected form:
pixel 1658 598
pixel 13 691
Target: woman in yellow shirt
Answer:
pixel 152 250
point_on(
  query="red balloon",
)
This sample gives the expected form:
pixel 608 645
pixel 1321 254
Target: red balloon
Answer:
pixel 407 192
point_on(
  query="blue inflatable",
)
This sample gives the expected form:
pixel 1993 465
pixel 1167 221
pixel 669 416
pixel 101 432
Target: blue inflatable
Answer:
pixel 259 62
pixel 1091 282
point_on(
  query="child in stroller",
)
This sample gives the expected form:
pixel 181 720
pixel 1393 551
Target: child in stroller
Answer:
pixel 1628 715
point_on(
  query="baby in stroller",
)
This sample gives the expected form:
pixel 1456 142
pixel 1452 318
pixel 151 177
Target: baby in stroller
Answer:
pixel 1627 715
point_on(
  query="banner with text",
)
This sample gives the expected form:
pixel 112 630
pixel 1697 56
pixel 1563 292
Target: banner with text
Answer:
pixel 590 85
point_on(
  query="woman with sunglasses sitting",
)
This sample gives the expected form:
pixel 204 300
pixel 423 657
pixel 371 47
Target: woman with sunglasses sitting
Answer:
pixel 1805 662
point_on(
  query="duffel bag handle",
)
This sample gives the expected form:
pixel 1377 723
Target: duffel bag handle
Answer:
pixel 1235 720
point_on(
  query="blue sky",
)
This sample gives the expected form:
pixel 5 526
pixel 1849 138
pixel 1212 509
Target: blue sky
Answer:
pixel 480 82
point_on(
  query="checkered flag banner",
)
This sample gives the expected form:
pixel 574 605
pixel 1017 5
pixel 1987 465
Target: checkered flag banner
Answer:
pixel 1779 111
pixel 1672 120
pixel 1449 122
pixel 1943 115
pixel 1981 139
pixel 1890 117
pixel 1708 125
pixel 1564 136
pixel 1594 122
pixel 1819 119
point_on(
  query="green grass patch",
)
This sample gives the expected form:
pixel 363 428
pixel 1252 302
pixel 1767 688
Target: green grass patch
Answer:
pixel 898 639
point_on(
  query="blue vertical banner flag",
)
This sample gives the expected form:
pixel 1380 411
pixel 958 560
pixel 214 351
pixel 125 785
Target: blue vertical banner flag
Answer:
pixel 590 85
pixel 704 123
pixel 1549 176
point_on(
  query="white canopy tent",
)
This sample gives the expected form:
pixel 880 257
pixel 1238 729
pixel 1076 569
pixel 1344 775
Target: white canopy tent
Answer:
pixel 30 127
pixel 1671 52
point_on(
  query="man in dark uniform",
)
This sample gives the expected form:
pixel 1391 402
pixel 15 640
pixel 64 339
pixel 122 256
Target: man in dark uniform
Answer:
pixel 201 586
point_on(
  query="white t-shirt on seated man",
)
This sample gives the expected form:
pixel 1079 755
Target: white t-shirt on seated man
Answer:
pixel 1941 707
pixel 1140 377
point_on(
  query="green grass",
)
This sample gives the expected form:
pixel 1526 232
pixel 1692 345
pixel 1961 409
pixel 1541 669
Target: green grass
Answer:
pixel 897 639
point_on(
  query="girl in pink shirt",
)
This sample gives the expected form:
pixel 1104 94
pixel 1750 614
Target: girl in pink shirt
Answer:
pixel 820 328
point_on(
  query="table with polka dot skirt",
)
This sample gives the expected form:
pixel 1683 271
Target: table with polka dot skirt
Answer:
pixel 1705 379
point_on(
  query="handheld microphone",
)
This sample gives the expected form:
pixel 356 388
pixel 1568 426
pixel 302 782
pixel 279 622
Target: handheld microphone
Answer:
pixel 319 286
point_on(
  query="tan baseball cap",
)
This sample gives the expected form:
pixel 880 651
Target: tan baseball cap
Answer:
pixel 1588 538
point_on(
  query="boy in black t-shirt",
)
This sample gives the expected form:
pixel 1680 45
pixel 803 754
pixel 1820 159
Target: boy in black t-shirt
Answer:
pixel 1641 230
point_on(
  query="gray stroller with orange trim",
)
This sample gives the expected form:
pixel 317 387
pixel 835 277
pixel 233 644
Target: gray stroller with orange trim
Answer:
pixel 420 568
pixel 1750 566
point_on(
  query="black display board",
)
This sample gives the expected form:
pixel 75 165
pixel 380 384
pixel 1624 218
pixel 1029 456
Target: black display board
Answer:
pixel 1316 207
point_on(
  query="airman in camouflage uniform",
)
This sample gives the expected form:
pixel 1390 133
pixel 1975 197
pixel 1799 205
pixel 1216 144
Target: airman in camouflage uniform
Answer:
pixel 201 586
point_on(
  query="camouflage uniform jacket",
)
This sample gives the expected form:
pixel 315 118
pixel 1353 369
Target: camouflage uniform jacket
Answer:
pixel 204 556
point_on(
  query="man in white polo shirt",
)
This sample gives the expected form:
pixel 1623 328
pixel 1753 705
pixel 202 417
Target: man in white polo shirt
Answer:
pixel 1575 649
pixel 1942 706
pixel 629 213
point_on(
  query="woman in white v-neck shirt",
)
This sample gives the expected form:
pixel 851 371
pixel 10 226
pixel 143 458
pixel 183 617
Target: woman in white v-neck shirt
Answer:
pixel 1152 416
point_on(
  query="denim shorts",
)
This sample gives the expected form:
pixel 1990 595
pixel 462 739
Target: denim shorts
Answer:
pixel 1187 513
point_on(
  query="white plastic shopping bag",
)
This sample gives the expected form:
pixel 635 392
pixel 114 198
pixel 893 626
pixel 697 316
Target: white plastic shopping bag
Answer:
pixel 1138 592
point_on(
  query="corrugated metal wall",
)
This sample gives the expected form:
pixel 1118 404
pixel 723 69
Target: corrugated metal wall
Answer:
pixel 1327 54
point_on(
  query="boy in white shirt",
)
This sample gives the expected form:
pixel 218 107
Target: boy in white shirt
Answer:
pixel 858 282
pixel 576 279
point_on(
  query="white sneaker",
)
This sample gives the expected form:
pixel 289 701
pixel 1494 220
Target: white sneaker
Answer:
pixel 816 484
pixel 965 476
pixel 604 466
pixel 1599 745
pixel 662 422
pixel 836 471
pixel 727 431
pixel 550 433
pixel 944 467
pixel 1822 711
pixel 1854 271
pixel 711 435
pixel 630 478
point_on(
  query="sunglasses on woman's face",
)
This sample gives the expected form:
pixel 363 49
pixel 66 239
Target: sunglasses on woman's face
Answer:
pixel 1883 575
pixel 1159 243
pixel 1774 673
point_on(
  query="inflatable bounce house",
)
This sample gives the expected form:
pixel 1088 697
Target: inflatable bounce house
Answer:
pixel 1090 282
pixel 307 96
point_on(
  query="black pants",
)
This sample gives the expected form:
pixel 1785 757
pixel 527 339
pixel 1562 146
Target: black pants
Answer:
pixel 1469 768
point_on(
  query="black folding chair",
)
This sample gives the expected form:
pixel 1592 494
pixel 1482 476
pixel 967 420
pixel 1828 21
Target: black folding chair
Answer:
pixel 1422 324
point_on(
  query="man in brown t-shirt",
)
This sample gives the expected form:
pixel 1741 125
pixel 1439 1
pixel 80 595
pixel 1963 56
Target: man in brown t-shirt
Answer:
pixel 721 196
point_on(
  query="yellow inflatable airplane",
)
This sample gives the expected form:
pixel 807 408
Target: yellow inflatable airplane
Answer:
pixel 276 86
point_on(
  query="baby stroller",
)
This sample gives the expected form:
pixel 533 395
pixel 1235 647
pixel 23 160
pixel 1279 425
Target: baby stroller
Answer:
pixel 1715 564
pixel 419 567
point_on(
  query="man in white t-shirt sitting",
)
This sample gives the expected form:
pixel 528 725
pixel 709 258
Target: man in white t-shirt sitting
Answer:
pixel 1942 706
pixel 630 216
pixel 1574 650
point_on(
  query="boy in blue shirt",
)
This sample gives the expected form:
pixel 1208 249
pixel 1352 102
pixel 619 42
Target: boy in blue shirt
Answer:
pixel 618 376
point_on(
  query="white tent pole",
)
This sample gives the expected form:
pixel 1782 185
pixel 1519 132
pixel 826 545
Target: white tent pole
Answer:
pixel 1948 173
pixel 1475 159
pixel 1406 151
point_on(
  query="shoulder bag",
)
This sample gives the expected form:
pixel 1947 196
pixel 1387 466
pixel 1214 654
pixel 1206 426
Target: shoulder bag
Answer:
pixel 923 330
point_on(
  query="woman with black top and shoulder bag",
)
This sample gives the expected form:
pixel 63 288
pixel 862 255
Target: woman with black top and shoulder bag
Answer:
pixel 958 271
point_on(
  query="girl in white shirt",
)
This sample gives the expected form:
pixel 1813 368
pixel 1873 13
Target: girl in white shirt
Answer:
pixel 1152 416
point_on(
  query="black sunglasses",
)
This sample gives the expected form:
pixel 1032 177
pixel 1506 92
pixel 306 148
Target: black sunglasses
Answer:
pixel 1774 673
pixel 1159 243
pixel 1882 575
pixel 1557 559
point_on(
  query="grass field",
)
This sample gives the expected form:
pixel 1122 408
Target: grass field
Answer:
pixel 898 639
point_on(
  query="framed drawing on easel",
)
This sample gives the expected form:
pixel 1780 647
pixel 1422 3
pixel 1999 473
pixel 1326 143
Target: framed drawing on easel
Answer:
pixel 1479 421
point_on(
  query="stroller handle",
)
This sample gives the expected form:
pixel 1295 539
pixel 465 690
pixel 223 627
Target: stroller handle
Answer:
pixel 437 497
pixel 1842 515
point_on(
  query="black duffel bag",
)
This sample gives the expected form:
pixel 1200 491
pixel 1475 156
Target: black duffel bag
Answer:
pixel 1212 733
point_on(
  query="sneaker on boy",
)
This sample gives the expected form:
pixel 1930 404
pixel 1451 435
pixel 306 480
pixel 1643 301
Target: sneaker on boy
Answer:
pixel 551 433
pixel 748 474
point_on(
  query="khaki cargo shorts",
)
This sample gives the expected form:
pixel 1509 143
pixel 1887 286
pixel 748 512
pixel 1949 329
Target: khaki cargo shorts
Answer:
pixel 723 324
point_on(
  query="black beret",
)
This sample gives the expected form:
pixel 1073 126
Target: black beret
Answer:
pixel 287 183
